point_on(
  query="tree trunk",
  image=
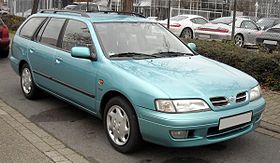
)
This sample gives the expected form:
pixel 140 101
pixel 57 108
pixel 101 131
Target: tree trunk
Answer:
pixel 35 6
pixel 128 5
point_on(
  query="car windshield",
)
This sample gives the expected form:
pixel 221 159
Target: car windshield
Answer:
pixel 265 22
pixel 178 18
pixel 226 20
pixel 139 39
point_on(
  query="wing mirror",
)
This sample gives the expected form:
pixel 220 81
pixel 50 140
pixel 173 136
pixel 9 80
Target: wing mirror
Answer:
pixel 83 52
pixel 192 46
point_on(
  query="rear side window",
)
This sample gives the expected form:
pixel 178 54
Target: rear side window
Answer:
pixel 76 34
pixel 52 31
pixel 30 27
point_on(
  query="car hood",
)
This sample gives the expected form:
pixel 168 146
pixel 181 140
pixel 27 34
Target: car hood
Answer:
pixel 189 77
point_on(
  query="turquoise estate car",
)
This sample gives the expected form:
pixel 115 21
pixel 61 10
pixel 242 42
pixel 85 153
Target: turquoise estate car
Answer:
pixel 139 78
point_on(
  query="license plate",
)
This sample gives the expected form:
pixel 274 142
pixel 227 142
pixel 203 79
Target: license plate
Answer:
pixel 204 36
pixel 270 42
pixel 235 120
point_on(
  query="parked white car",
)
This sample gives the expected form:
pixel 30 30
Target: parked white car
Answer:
pixel 184 25
pixel 246 31
pixel 25 14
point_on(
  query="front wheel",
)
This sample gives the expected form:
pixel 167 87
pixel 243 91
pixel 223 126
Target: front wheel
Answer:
pixel 239 40
pixel 187 33
pixel 29 89
pixel 121 125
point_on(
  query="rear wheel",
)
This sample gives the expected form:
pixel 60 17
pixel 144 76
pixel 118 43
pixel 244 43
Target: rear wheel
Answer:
pixel 187 33
pixel 29 89
pixel 121 125
pixel 4 53
pixel 239 40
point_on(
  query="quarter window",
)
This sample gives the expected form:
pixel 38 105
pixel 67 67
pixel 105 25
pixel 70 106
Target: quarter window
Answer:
pixel 76 34
pixel 30 27
pixel 52 31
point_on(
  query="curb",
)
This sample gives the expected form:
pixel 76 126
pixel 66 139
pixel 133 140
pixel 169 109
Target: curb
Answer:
pixel 269 129
pixel 43 141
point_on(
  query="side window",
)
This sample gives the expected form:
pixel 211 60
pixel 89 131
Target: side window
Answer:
pixel 30 27
pixel 248 25
pixel 200 21
pixel 52 31
pixel 76 34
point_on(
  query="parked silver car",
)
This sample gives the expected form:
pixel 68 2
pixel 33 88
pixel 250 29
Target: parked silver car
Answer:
pixel 270 38
pixel 246 30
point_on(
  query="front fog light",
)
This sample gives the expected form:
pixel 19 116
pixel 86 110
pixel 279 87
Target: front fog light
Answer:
pixel 179 134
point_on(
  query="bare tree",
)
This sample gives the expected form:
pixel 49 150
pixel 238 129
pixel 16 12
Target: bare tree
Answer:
pixel 35 6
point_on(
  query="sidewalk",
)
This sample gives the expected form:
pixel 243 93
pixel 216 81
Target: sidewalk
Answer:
pixel 271 117
pixel 23 141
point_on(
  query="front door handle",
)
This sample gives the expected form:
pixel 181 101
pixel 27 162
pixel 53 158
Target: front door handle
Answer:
pixel 58 60
pixel 31 50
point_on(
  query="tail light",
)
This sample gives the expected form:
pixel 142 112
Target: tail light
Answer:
pixel 4 32
pixel 213 30
pixel 175 25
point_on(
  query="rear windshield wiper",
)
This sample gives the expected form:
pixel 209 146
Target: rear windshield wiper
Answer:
pixel 133 55
pixel 171 54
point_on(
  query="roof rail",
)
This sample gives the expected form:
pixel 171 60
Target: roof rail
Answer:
pixel 119 13
pixel 84 14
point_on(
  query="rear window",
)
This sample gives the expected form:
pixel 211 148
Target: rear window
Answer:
pixel 30 27
pixel 178 18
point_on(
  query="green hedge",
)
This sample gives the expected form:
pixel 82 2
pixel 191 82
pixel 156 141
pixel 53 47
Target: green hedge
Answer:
pixel 13 22
pixel 263 66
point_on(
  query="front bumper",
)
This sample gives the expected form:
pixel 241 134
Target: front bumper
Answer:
pixel 4 43
pixel 155 127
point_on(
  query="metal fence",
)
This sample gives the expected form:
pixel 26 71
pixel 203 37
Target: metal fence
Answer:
pixel 210 15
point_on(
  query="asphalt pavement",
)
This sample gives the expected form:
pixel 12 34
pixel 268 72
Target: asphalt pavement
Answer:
pixel 84 134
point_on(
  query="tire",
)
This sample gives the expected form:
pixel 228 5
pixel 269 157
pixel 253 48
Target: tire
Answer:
pixel 187 33
pixel 4 53
pixel 239 40
pixel 28 87
pixel 120 121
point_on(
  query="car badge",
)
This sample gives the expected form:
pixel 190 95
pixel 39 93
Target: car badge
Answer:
pixel 231 99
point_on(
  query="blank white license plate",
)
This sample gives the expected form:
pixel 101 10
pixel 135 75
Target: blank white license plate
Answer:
pixel 270 42
pixel 235 120
pixel 204 36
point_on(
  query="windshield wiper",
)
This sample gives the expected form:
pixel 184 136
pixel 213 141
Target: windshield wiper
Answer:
pixel 132 54
pixel 171 54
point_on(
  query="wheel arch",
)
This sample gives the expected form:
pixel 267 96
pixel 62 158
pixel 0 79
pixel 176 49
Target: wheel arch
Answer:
pixel 21 63
pixel 187 28
pixel 109 95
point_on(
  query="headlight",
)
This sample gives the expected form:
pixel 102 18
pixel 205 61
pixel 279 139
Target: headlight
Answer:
pixel 181 106
pixel 255 93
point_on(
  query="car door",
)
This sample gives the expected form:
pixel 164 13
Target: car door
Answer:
pixel 249 30
pixel 42 52
pixel 76 76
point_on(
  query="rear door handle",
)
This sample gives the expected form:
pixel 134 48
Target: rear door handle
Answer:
pixel 58 60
